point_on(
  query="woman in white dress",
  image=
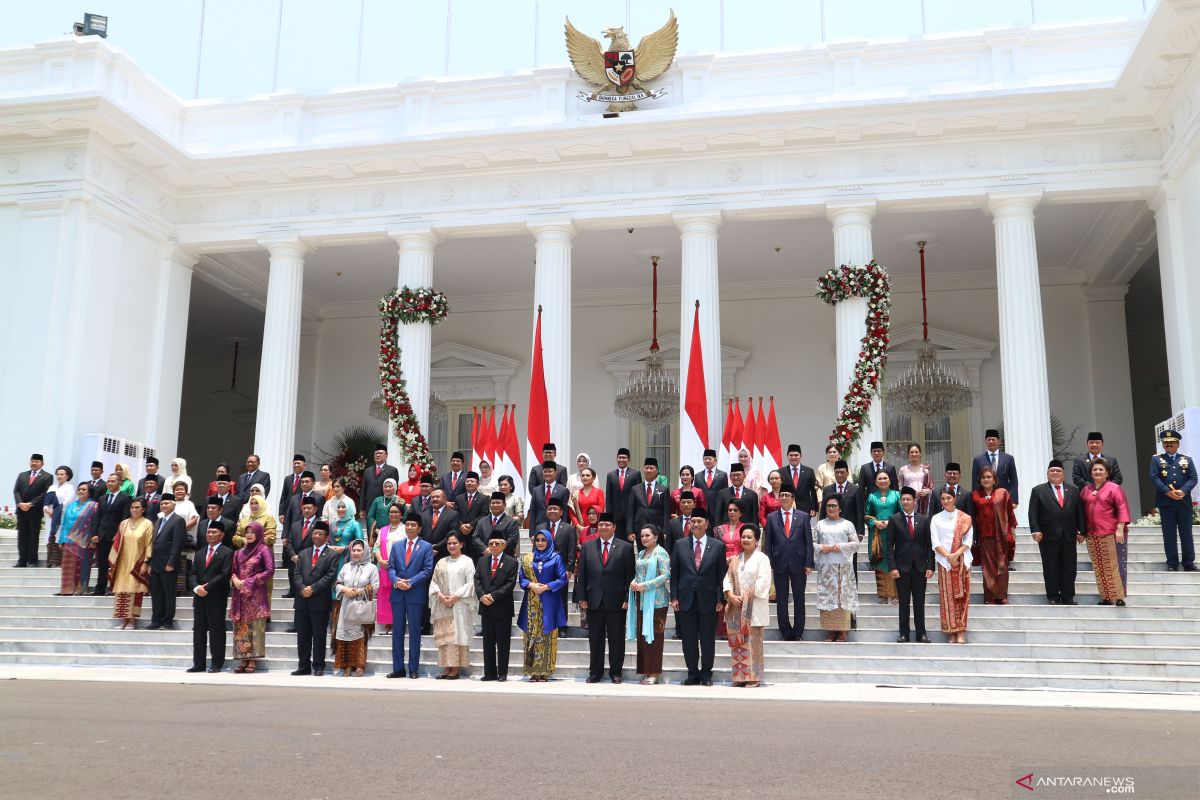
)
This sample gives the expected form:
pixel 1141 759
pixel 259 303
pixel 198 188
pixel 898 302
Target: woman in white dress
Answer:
pixel 837 592
pixel 178 475
pixel 755 481
pixel 452 598
pixel 950 533
pixel 747 589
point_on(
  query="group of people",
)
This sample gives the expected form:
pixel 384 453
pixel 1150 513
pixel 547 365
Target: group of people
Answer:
pixel 435 555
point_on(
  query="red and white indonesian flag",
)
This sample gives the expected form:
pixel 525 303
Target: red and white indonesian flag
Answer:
pixel 735 434
pixel 508 451
pixel 693 428
pixel 774 451
pixel 476 438
pixel 537 426
pixel 726 431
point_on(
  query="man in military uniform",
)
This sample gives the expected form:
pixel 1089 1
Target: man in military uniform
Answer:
pixel 1174 477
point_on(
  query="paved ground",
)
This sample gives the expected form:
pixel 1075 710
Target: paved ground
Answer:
pixel 127 740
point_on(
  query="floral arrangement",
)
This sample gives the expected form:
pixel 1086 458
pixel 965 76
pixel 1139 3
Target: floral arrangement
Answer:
pixel 349 467
pixel 8 519
pixel 1154 519
pixel 872 283
pixel 406 305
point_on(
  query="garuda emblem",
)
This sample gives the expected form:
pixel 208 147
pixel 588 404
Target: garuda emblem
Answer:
pixel 620 72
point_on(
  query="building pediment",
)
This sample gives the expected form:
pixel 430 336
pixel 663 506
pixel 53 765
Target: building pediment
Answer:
pixel 623 363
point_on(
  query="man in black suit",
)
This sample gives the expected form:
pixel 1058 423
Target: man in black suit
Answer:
pixel 210 572
pixel 680 527
pixel 471 506
pixel 697 571
pixel 421 503
pixel 292 486
pixel 910 558
pixel 151 472
pixel 169 533
pixel 866 473
pixel 231 504
pixel 316 570
pixel 564 535
pixel 96 486
pixel 1055 519
pixel 852 498
pixel 602 592
pixel 1003 464
pixel 541 495
pixel 962 495
pixel 151 497
pixel 617 487
pixel 711 481
pixel 295 500
pixel 298 538
pixel 495 579
pixel 29 492
pixel 649 504
pixel 251 476
pixel 1081 470
pixel 439 522
pixel 736 491
pixel 373 478
pixel 801 480
pixel 114 507
pixel 789 543
pixel 537 477
pixel 212 513
pixel 454 482
pixel 496 522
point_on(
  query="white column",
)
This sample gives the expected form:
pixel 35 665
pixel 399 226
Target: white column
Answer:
pixel 279 373
pixel 552 291
pixel 1025 386
pixel 415 339
pixel 1112 395
pixel 699 281
pixel 852 245
pixel 1180 289
pixel 170 340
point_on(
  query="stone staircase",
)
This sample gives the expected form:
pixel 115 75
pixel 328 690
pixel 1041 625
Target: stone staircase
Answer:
pixel 1152 645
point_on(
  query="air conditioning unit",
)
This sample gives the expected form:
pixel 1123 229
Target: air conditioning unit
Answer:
pixel 1187 423
pixel 112 450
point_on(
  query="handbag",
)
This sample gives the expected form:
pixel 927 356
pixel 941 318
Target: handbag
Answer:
pixel 360 609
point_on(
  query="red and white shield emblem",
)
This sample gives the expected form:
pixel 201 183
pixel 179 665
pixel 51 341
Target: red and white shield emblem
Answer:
pixel 618 65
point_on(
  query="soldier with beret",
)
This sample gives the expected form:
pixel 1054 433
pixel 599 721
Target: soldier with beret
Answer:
pixel 1174 477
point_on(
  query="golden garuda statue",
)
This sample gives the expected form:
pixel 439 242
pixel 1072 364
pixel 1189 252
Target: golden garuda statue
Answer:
pixel 620 72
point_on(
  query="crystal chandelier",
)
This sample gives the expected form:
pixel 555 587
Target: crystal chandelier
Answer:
pixel 928 390
pixel 651 396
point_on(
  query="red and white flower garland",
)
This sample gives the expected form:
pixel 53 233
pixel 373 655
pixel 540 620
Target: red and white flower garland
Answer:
pixel 407 306
pixel 872 283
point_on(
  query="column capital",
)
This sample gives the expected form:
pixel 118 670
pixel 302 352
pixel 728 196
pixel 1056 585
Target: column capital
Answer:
pixel 708 221
pixel 557 230
pixel 1168 191
pixel 420 239
pixel 286 246
pixel 849 212
pixel 1014 202
pixel 177 253
pixel 1105 294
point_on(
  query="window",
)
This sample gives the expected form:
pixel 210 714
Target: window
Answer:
pixel 937 438
pixel 453 432
pixel 654 441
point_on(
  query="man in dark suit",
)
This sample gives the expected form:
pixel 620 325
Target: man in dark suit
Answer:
pixel 421 503
pixel 169 534
pixel 251 476
pixel 373 478
pixel 298 538
pixel 852 497
pixel 96 486
pixel 496 522
pixel 440 521
pixel 617 486
pixel 541 495
pixel 565 537
pixel 295 500
pixel 1081 470
pixel 711 481
pixel 602 592
pixel 801 480
pixel 736 491
pixel 1055 519
pixel 212 513
pixel 114 507
pixel 537 477
pixel 151 472
pixel 454 481
pixel 649 503
pixel 962 495
pixel 495 579
pixel 788 541
pixel 410 566
pixel 697 571
pixel 910 558
pixel 680 527
pixel 316 570
pixel 866 473
pixel 210 572
pixel 471 506
pixel 152 497
pixel 231 504
pixel 1003 464
pixel 29 492
pixel 291 484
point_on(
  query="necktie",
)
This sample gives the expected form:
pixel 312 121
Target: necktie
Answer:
pixel 877 465
pixel 547 494
pixel 208 560
pixel 649 494
pixel 604 555
pixel 553 531
pixel 710 479
pixel 699 553
pixel 911 532
pixel 304 532
pixel 495 521
pixel 1058 493
pixel 495 565
pixel 787 524
pixel 992 456
pixel 737 492
pixel 408 553
pixel 316 555
pixel 621 481
pixel 110 498
pixel 32 478
pixel 378 467
pixel 436 513
pixel 795 478
pixel 841 488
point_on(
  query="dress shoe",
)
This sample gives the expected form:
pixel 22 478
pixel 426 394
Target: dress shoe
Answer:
pixel 706 682
pixel 453 677
pixel 95 592
pixel 691 682
pixel 153 626
pixel 170 626
pixel 489 678
pixel 902 639
pixel 399 674
pixel 195 669
pixel 35 564
pixel 302 672
pixel 676 637
pixel 502 678
pixel 318 673
pixel 413 676
pixel 1052 601
pixel 615 679
pixel 593 678
pixel 440 677
pixel 215 668
pixel 19 565
pixel 1172 567
pixel 1191 568
pixel 290 630
pixel 1071 602
pixel 1121 603
pixel 923 639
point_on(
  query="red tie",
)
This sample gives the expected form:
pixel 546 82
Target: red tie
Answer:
pixel 553 531
pixel 710 479
pixel 911 532
pixel 547 494
pixel 316 553
pixel 32 478
pixel 296 485
pixel 495 565
pixel 795 478
pixel 208 560
pixel 604 555
pixel 737 492
pixel 408 553
pixel 378 467
pixel 787 524
pixel 620 481
pixel 437 513
pixel 699 554
pixel 649 494
pixel 304 532
pixel 1058 492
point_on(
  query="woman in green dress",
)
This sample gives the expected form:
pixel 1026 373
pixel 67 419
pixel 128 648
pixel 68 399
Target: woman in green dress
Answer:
pixel 881 504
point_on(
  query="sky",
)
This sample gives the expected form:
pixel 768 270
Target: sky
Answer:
pixel 239 48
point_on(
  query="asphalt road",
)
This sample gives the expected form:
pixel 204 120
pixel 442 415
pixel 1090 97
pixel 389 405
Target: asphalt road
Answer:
pixel 124 740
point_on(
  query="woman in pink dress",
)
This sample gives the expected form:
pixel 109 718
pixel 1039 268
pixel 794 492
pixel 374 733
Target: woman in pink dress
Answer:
pixel 1106 520
pixel 589 496
pixel 383 613
pixel 687 480
pixel 770 501
pixel 916 475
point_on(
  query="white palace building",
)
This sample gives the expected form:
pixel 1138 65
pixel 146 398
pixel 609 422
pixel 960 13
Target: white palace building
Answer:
pixel 1053 169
